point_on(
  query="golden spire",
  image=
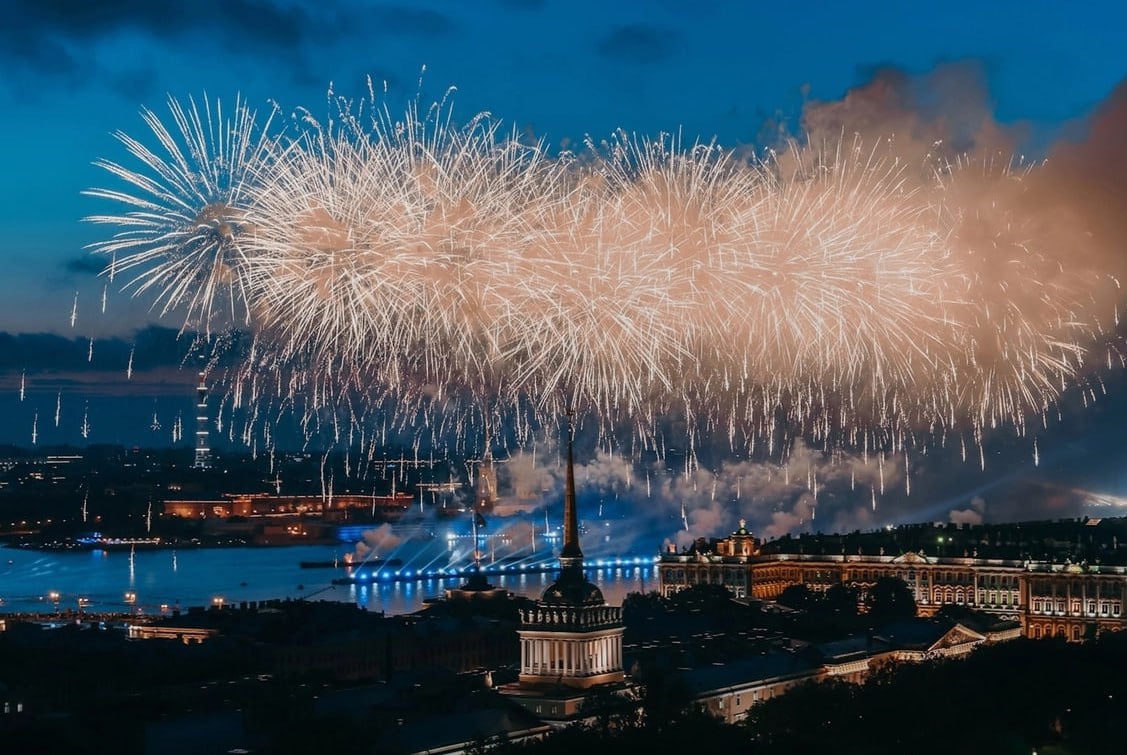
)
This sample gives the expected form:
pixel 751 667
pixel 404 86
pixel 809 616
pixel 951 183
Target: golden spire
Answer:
pixel 571 557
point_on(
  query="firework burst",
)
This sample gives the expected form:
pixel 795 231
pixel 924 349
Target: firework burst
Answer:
pixel 451 276
pixel 186 206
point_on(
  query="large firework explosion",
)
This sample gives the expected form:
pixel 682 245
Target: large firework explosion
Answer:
pixel 425 274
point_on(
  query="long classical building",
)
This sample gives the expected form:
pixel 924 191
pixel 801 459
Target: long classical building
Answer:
pixel 1047 598
pixel 387 507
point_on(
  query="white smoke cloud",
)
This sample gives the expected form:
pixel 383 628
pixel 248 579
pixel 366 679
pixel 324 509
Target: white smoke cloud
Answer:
pixel 774 499
pixel 972 515
pixel 529 475
pixel 376 541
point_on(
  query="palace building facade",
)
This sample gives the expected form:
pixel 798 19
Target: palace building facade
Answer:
pixel 1048 599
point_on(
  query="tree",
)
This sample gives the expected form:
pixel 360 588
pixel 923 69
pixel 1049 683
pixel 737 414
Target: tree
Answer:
pixel 841 599
pixel 483 744
pixel 612 711
pixel 798 597
pixel 666 698
pixel 890 599
pixel 708 598
pixel 637 605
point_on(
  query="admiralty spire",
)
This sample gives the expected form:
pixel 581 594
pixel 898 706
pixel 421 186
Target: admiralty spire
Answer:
pixel 571 637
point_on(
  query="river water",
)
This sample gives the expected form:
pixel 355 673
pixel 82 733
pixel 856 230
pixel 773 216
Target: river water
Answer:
pixel 39 580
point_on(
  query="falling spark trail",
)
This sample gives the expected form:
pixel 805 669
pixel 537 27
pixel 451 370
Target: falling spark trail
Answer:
pixel 907 476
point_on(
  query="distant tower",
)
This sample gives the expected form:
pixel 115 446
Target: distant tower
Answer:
pixel 572 637
pixel 485 497
pixel 203 450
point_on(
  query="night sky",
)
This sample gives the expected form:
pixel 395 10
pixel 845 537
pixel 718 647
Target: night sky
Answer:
pixel 74 72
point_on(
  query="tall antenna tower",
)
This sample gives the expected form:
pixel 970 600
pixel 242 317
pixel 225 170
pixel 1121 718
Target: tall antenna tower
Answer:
pixel 203 450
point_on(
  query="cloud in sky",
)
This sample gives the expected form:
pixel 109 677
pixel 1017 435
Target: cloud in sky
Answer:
pixel 87 264
pixel 404 19
pixel 61 38
pixel 641 44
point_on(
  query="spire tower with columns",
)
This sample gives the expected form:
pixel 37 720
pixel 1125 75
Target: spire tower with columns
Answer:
pixel 571 637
